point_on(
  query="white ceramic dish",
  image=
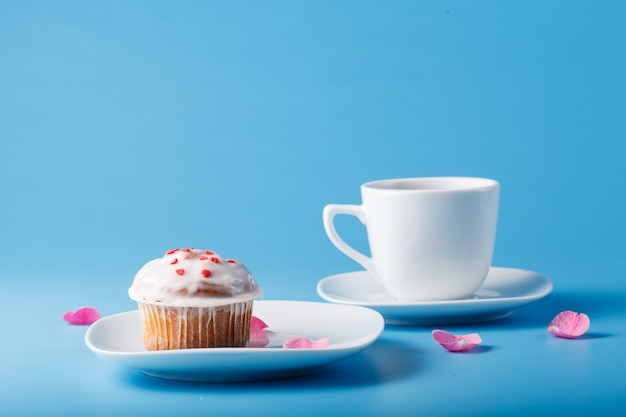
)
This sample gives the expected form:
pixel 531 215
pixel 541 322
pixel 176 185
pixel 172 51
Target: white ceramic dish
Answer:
pixel 504 289
pixel 350 328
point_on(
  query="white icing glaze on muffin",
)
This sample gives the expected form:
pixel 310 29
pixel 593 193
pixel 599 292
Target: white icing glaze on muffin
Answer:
pixel 193 277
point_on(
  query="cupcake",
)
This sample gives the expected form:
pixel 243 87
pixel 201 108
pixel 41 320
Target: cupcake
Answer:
pixel 194 298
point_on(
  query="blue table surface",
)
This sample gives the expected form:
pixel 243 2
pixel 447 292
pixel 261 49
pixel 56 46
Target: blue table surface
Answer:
pixel 129 128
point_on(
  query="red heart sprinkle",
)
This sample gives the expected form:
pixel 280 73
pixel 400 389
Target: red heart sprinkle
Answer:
pixel 203 258
pixel 206 273
pixel 208 252
pixel 231 261
pixel 174 261
pixel 187 250
pixel 180 271
pixel 215 260
pixel 169 252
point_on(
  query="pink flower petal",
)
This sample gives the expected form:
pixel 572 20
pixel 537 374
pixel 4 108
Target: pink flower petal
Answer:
pixel 84 315
pixel 257 327
pixel 569 325
pixel 299 342
pixel 258 335
pixel 260 339
pixel 455 343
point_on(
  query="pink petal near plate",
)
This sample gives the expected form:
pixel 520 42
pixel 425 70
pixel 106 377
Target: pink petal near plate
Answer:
pixel 259 338
pixel 569 325
pixel 257 327
pixel 84 315
pixel 258 334
pixel 455 343
pixel 299 342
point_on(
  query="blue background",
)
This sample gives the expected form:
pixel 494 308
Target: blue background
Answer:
pixel 131 127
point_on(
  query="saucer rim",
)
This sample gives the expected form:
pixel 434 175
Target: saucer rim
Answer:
pixel 455 312
pixel 547 287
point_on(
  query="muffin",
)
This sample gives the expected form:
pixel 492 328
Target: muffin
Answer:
pixel 194 298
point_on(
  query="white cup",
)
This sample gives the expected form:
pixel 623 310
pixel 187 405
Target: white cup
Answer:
pixel 430 239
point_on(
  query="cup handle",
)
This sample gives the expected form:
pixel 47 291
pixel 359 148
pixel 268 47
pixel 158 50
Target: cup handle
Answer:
pixel 330 211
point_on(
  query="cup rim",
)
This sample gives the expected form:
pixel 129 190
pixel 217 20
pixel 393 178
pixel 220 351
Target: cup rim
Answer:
pixel 433 184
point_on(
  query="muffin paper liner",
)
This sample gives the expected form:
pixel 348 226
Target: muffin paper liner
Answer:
pixel 175 327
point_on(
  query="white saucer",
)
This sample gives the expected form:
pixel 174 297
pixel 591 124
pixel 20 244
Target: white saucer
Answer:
pixel 118 338
pixel 503 290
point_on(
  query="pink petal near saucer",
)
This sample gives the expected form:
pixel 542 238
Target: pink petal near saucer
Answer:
pixel 299 342
pixel 569 325
pixel 455 343
pixel 84 315
pixel 257 327
pixel 258 335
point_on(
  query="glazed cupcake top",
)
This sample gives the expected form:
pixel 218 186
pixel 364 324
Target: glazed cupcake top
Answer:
pixel 193 277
